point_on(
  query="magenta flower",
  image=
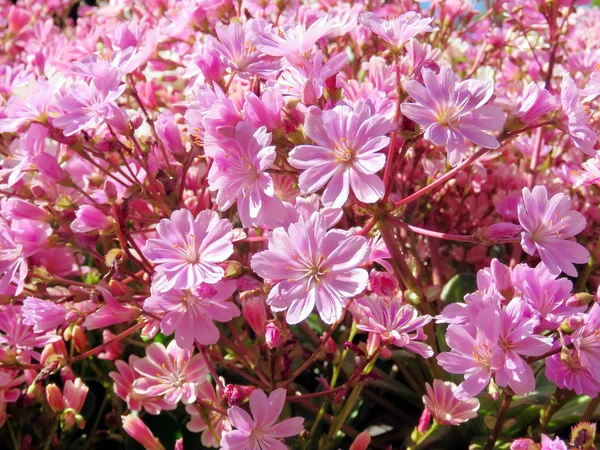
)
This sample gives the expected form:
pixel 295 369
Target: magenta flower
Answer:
pixel 451 112
pixel 13 265
pixel 399 30
pixel 392 323
pixel 89 218
pixel 295 41
pixel 89 104
pixel 567 372
pixel 190 313
pixel 10 380
pixel 574 117
pixel 474 352
pixel 239 175
pixel 312 266
pixel 445 408
pixel 237 49
pixel 138 430
pixel 172 373
pixel 124 378
pixel 259 431
pixel 346 153
pixel 548 226
pixel 517 339
pixel 534 103
pixel 219 422
pixel 586 340
pixel 544 294
pixel 189 250
pixel 44 315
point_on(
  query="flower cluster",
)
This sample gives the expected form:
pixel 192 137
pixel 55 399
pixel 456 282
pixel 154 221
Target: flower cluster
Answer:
pixel 264 224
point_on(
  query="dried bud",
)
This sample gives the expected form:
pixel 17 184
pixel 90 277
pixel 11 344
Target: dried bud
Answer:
pixel 234 270
pixel 583 436
pixel 354 348
pixel 493 390
pixel 235 394
pixel 272 335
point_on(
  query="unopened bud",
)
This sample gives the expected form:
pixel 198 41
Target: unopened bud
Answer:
pixel 110 189
pixel 424 421
pixel 234 270
pixel 54 398
pixel 493 390
pixel 255 313
pixel 272 335
pixel 79 338
pixel 235 394
pixel 138 430
pixel 570 324
pixel 580 299
pixel 136 121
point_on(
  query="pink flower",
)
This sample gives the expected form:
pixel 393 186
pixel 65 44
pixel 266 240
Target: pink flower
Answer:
pixel 592 88
pixel 70 403
pixel 90 219
pixel 451 112
pixel 124 378
pixel 219 422
pixel 239 175
pixel 13 265
pixel 259 431
pixel 138 430
pixel 190 313
pixel 549 225
pixel 189 250
pixel 474 352
pixel 346 153
pixel 168 132
pixel 586 340
pixel 567 372
pixel 590 173
pixel 171 373
pixel 110 312
pixel 445 408
pixel 295 41
pixel 44 315
pixel 535 102
pixel 237 48
pixel 312 266
pixel 392 323
pixel 574 117
pixel 89 104
pixel 399 30
pixel 10 380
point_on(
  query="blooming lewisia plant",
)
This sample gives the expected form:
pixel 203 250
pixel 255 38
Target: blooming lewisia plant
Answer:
pixel 272 224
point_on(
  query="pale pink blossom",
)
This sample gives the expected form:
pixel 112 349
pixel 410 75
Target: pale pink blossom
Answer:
pixel 549 226
pixel 445 408
pixel 173 374
pixel 260 431
pixel 188 251
pixel 574 118
pixel 398 30
pixel 190 313
pixel 346 153
pixel 312 266
pixel 452 112
pixel 138 430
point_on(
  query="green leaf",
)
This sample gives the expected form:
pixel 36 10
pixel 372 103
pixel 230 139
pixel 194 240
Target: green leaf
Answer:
pixel 459 285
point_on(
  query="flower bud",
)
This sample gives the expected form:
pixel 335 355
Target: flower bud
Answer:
pixel 272 335
pixel 580 299
pixel 361 442
pixel 54 398
pixel 138 430
pixel 524 444
pixel 235 394
pixel 373 343
pixel 110 189
pixel 255 313
pixel 79 338
pixel 234 269
pixel 136 121
pixel 90 219
pixel 424 421
pixel 493 390
pixel 383 283
pixel 168 132
pixel 570 324
pixel 67 374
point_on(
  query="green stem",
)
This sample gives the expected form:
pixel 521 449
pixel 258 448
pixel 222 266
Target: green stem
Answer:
pixel 424 437
pixel 504 407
